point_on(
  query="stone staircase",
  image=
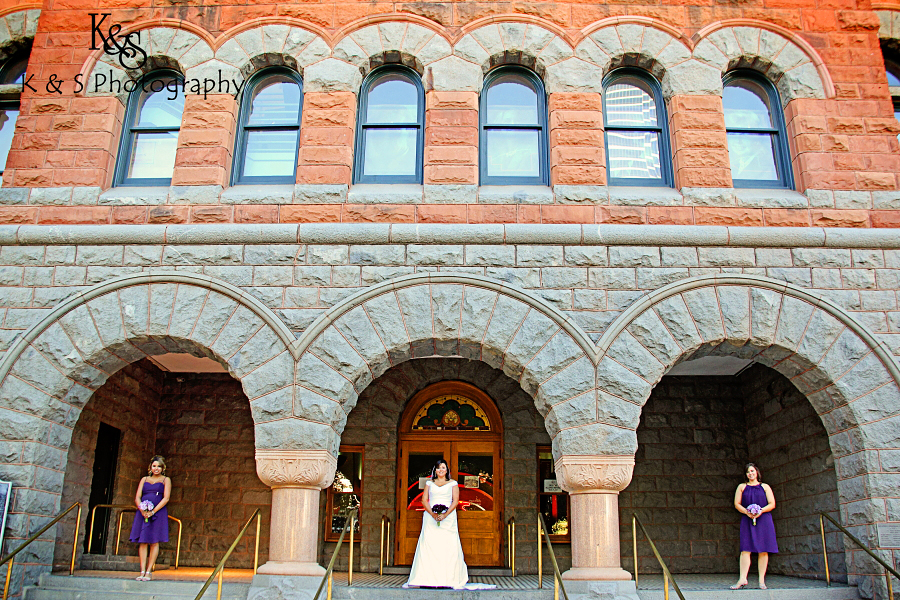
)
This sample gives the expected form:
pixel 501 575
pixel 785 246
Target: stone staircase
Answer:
pixel 116 562
pixel 715 587
pixel 85 587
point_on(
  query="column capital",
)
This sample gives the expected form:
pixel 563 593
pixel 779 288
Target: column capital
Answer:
pixel 594 474
pixel 311 469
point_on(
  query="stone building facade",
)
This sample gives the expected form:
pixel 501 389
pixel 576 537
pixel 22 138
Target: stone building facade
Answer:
pixel 329 305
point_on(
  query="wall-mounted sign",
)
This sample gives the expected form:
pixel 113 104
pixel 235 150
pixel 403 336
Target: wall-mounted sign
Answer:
pixel 551 487
pixel 889 535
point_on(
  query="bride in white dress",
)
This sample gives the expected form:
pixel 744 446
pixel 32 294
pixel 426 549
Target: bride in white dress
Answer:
pixel 439 558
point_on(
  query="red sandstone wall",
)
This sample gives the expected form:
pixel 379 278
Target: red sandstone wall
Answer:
pixel 845 143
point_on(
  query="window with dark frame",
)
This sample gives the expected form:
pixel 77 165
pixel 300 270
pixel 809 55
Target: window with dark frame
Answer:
pixel 345 493
pixel 390 132
pixel 636 132
pixel 12 73
pixel 150 139
pixel 268 137
pixel 553 501
pixel 757 142
pixel 892 70
pixel 512 121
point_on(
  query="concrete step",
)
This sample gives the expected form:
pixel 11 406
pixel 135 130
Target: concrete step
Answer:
pixel 116 562
pixel 813 593
pixel 473 571
pixel 63 587
pixel 362 593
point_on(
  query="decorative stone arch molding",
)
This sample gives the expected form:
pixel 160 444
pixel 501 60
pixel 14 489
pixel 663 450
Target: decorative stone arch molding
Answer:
pixel 17 29
pixel 243 51
pixel 397 42
pixel 443 314
pixel 889 29
pixel 525 43
pixel 168 45
pixel 645 43
pixel 787 60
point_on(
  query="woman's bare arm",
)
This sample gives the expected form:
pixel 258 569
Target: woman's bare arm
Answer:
pixel 737 500
pixel 770 498
pixel 137 495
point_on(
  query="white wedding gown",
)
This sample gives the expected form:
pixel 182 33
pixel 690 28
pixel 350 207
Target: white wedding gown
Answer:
pixel 439 558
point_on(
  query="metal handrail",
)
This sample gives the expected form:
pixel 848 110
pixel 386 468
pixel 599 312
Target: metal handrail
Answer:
pixel 125 508
pixel 384 547
pixel 667 575
pixel 221 566
pixel 557 577
pixel 9 558
pixel 888 570
pixel 511 544
pixel 329 572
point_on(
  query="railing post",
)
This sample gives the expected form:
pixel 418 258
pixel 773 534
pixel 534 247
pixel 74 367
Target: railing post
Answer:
pixel 219 590
pixel 540 558
pixel 75 541
pixel 889 585
pixel 381 549
pixel 256 545
pixel 350 570
pixel 666 585
pixel 119 530
pixel 8 575
pixel 634 547
pixel 824 550
pixel 514 548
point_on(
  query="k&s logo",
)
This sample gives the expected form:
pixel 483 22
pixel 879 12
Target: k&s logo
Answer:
pixel 131 55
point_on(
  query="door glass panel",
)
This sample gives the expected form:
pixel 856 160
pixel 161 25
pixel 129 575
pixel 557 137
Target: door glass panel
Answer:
pixel 554 502
pixel 476 482
pixel 419 467
pixel 347 488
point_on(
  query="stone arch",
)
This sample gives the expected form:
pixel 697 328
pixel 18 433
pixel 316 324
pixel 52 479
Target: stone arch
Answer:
pixel 889 30
pixel 515 42
pixel 444 314
pixel 17 31
pixel 52 370
pixel 788 61
pixel 271 44
pixel 392 42
pixel 166 47
pixel 649 45
pixel 848 375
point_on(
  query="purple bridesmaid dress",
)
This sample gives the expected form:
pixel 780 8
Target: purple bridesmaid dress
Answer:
pixel 156 529
pixel 759 537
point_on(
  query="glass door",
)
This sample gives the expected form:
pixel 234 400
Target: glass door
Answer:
pixel 416 460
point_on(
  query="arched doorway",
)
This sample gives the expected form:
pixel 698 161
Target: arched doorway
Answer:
pixel 460 423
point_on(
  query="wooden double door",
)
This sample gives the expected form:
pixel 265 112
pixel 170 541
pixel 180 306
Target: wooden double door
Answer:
pixel 476 463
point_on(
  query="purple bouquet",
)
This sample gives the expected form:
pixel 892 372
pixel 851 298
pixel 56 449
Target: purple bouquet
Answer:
pixel 755 510
pixel 146 505
pixel 439 509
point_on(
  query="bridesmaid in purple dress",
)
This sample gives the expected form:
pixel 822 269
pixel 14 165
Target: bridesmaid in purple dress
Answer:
pixel 759 537
pixel 151 526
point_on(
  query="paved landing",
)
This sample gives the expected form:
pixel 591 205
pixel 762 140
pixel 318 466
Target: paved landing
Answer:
pixel 716 587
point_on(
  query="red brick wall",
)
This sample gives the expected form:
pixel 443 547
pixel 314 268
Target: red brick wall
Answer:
pixel 845 143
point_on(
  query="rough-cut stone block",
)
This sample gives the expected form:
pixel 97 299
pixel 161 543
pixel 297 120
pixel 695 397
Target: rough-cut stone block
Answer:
pixel 587 439
pixel 792 323
pixel 415 303
pixel 535 331
pixel 615 379
pixel 505 321
pixel 446 301
pixel 270 376
pixel 675 316
pixel 336 352
pixel 706 313
pixel 314 374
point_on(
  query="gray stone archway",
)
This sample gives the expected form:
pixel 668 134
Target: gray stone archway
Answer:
pixel 53 369
pixel 849 377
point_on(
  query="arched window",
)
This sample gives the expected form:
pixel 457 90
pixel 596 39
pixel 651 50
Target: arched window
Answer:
pixel 390 133
pixel 152 123
pixel 269 129
pixel 757 144
pixel 12 73
pixel 513 124
pixel 637 139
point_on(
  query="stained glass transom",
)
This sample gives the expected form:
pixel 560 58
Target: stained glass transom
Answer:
pixel 451 412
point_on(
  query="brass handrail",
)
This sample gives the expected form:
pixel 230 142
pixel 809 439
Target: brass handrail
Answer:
pixel 557 577
pixel 511 544
pixel 329 577
pixel 126 508
pixel 221 566
pixel 888 570
pixel 667 575
pixel 384 547
pixel 9 558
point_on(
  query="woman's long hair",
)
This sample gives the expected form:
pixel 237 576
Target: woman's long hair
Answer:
pixel 758 472
pixel 439 462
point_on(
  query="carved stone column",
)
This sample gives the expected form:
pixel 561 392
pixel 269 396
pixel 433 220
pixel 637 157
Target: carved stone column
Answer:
pixel 296 477
pixel 594 483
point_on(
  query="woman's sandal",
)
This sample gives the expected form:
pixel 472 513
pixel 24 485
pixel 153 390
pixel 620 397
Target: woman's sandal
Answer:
pixel 762 586
pixel 737 586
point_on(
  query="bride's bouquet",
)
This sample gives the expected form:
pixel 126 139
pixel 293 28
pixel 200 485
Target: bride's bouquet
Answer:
pixel 146 505
pixel 755 510
pixel 439 509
